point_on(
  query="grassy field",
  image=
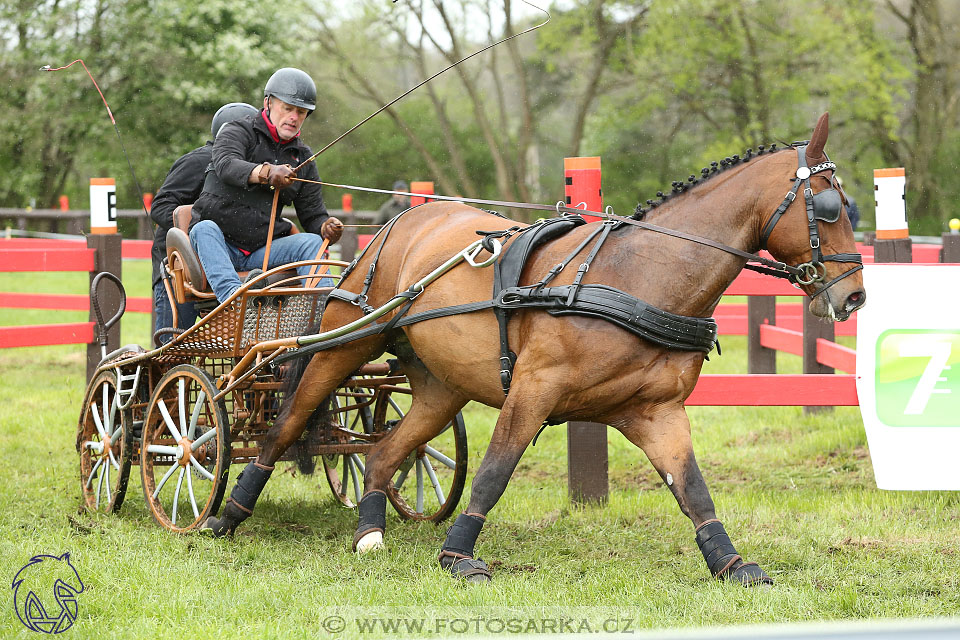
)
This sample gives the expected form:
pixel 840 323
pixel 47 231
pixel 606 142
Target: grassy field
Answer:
pixel 796 492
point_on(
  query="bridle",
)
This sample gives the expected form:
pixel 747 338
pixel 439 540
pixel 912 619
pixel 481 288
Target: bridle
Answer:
pixel 822 206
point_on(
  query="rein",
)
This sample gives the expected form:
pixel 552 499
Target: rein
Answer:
pixel 765 266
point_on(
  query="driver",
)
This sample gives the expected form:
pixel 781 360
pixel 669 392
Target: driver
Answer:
pixel 252 157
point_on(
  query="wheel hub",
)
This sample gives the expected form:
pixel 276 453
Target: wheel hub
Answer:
pixel 106 446
pixel 183 452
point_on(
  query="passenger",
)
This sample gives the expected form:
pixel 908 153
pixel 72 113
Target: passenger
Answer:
pixel 182 186
pixel 252 157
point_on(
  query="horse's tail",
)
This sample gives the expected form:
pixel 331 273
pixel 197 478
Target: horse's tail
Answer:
pixel 292 376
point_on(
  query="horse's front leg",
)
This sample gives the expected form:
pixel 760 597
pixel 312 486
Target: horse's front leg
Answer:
pixel 320 378
pixel 523 412
pixel 664 435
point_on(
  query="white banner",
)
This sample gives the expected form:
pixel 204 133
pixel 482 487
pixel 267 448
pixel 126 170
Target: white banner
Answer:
pixel 908 374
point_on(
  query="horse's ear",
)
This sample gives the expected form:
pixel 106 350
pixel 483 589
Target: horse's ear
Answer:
pixel 819 138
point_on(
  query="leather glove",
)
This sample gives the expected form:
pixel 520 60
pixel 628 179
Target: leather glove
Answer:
pixel 280 176
pixel 332 229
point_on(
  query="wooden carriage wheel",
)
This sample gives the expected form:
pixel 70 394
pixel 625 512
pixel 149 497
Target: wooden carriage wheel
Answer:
pixel 429 482
pixel 185 449
pixel 105 440
pixel 344 472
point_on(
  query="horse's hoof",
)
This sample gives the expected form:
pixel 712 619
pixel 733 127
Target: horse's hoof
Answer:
pixel 216 527
pixel 370 542
pixel 471 570
pixel 749 574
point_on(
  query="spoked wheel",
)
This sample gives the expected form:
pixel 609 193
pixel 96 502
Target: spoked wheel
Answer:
pixel 430 481
pixel 106 445
pixel 185 450
pixel 344 472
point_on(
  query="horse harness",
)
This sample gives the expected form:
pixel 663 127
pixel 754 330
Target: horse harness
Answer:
pixel 661 327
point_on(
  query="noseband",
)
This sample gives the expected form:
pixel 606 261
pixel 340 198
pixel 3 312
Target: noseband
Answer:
pixel 823 206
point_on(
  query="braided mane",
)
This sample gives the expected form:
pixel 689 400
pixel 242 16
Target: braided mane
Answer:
pixel 715 168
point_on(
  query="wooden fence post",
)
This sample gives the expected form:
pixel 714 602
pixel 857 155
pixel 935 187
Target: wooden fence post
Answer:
pixel 107 259
pixel 587 462
pixel 760 310
pixel 349 240
pixel 108 245
pixel 587 458
pixel 813 329
pixel 951 243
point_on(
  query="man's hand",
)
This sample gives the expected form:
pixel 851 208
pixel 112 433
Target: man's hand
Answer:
pixel 281 176
pixel 332 229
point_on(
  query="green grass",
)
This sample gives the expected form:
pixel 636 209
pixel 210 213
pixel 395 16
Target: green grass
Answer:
pixel 795 491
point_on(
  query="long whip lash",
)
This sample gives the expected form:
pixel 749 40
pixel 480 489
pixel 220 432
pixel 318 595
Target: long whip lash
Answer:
pixel 47 67
pixel 412 89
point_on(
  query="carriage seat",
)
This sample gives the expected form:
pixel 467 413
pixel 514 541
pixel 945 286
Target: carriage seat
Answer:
pixel 189 281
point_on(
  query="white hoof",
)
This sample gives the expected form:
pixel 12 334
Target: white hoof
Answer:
pixel 370 542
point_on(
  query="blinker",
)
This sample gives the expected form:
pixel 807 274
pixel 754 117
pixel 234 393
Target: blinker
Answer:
pixel 827 205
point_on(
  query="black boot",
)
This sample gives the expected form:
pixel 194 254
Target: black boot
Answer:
pixel 456 555
pixel 372 512
pixel 242 499
pixel 722 558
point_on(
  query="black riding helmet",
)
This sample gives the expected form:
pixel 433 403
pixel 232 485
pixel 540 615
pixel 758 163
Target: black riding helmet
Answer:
pixel 230 112
pixel 292 86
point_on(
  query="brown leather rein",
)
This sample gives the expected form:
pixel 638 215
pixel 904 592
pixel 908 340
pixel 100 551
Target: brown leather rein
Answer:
pixel 776 268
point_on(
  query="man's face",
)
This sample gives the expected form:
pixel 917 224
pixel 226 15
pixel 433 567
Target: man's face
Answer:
pixel 285 117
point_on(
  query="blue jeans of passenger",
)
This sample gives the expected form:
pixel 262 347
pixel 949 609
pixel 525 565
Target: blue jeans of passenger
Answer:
pixel 186 314
pixel 221 260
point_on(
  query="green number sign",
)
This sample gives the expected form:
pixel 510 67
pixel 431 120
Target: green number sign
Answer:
pixel 918 378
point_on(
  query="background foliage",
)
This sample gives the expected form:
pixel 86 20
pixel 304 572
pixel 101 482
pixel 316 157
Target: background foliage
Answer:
pixel 656 88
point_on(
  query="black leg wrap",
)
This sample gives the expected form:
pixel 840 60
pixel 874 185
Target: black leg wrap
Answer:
pixel 461 537
pixel 722 558
pixel 373 515
pixel 242 499
pixel 249 485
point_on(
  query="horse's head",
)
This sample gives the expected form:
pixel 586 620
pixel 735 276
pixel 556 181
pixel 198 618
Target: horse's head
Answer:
pixel 810 230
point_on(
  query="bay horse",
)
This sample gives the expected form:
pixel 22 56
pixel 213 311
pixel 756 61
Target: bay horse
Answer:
pixel 573 367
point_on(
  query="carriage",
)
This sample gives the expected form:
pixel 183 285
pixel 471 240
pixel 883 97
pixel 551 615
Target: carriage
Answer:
pixel 186 411
pixel 645 300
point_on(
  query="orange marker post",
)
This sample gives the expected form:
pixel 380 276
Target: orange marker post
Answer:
pixel 103 205
pixel 582 189
pixel 893 243
pixel 423 188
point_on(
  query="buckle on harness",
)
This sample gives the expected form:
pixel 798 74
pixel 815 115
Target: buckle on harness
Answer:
pixel 506 374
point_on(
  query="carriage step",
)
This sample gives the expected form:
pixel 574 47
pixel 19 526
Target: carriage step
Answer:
pixel 126 392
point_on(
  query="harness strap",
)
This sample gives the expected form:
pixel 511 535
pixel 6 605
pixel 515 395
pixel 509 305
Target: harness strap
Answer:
pixel 775 218
pixel 594 300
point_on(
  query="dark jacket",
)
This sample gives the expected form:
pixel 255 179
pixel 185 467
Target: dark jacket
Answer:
pixel 243 217
pixel 181 186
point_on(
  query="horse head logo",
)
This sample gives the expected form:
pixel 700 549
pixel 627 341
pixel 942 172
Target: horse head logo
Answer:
pixel 45 593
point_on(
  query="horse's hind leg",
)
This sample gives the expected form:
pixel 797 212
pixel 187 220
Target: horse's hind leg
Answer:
pixel 322 375
pixel 664 435
pixel 433 405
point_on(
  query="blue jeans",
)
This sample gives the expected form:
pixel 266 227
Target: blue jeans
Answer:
pixel 186 315
pixel 221 260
